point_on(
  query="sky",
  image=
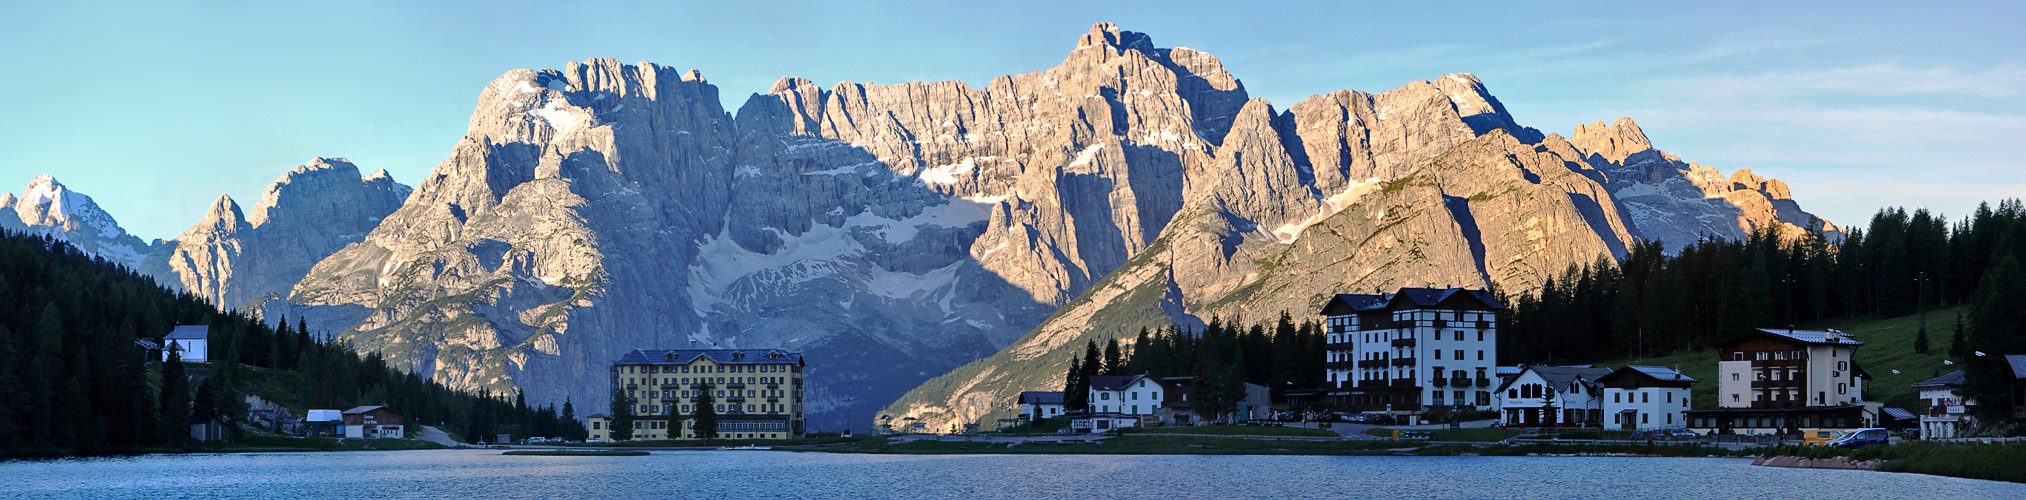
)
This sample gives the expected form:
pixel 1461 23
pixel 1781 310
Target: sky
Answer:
pixel 157 108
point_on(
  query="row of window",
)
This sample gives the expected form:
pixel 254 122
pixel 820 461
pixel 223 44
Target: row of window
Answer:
pixel 751 393
pixel 707 369
pixel 1135 409
pixel 1460 397
pixel 1644 418
pixel 1106 396
pixel 706 380
pixel 723 408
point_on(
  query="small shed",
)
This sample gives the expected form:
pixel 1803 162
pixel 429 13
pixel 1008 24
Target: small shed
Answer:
pixel 374 422
pixel 324 423
pixel 191 342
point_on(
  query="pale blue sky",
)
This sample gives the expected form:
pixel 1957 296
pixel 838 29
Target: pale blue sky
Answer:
pixel 156 108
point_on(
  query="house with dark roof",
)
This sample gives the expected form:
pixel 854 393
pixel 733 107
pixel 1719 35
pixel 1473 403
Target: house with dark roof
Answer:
pixel 374 422
pixel 757 393
pixel 2018 364
pixel 191 343
pixel 1944 412
pixel 1551 396
pixel 1404 351
pixel 1786 381
pixel 1038 405
pixel 1645 397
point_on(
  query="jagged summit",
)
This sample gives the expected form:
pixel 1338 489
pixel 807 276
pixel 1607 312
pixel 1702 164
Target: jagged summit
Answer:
pixel 1108 35
pixel 1614 142
pixel 47 207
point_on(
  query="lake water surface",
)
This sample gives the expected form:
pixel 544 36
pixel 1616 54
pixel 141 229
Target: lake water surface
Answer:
pixel 478 474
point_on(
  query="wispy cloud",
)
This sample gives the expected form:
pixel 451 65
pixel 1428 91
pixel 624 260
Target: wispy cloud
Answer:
pixel 1871 79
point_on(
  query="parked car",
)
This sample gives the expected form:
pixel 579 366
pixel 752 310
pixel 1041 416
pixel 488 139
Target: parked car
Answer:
pixel 1859 438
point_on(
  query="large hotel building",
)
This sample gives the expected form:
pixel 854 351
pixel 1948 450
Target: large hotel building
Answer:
pixel 1409 350
pixel 757 392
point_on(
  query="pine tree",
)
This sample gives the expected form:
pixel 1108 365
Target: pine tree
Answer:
pixel 1956 339
pixel 1074 395
pixel 1112 363
pixel 705 424
pixel 622 416
pixel 572 429
pixel 1920 340
pixel 1997 328
pixel 175 400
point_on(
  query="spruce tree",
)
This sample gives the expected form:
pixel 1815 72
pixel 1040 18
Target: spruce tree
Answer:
pixel 1956 339
pixel 175 400
pixel 706 420
pixel 1074 395
pixel 572 429
pixel 622 416
pixel 1997 328
pixel 1920 340
pixel 1113 365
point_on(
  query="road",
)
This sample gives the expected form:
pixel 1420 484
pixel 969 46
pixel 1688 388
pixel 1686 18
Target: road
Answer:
pixel 435 435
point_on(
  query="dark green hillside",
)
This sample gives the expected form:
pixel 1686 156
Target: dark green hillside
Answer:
pixel 75 381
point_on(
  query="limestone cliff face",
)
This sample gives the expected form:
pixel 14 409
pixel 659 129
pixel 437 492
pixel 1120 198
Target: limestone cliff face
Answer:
pixel 1680 203
pixel 894 233
pixel 236 260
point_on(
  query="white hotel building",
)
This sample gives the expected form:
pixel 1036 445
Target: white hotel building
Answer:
pixel 1415 348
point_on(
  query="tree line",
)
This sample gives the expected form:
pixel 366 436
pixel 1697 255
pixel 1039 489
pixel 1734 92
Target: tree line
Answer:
pixel 78 378
pixel 1220 360
pixel 1655 303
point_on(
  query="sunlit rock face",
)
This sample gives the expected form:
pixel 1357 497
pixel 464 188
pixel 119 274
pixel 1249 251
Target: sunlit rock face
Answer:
pixel 932 248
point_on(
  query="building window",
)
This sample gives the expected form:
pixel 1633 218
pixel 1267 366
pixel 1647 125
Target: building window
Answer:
pixel 1459 354
pixel 1438 354
pixel 1645 397
pixel 1842 388
pixel 1644 418
pixel 1136 396
pixel 1480 355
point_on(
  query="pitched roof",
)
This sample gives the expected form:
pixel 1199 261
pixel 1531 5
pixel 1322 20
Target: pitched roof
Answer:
pixel 1041 397
pixel 599 415
pixel 186 332
pixel 1657 373
pixel 2018 362
pixel 1802 336
pixel 718 356
pixel 364 409
pixel 1950 379
pixel 1345 303
pixel 1898 413
pixel 1113 382
pixel 1560 377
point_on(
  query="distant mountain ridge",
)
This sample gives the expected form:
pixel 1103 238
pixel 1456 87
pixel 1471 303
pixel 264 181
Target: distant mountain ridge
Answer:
pixel 894 233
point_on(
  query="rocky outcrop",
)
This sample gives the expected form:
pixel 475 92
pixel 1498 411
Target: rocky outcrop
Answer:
pixel 237 260
pixel 1680 203
pixel 48 208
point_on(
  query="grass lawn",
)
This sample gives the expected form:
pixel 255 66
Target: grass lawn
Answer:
pixel 1475 435
pixel 1232 430
pixel 1888 346
pixel 278 443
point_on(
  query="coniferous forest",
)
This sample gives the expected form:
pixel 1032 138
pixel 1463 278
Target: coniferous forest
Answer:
pixel 76 377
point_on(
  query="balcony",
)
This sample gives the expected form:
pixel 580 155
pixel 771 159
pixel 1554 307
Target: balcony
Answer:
pixel 1407 342
pixel 699 385
pixel 1439 382
pixel 1483 382
pixel 773 386
pixel 670 385
pixel 735 385
pixel 1404 382
pixel 1372 363
pixel 734 398
pixel 1403 361
pixel 1337 365
pixel 630 385
pixel 1460 382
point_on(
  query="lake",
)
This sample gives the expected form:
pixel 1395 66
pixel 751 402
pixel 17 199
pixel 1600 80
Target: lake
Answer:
pixel 471 474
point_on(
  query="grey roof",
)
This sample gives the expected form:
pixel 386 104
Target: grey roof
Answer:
pixel 719 356
pixel 1414 297
pixel 364 409
pixel 1950 379
pixel 1804 336
pixel 1662 373
pixel 1113 382
pixel 189 332
pixel 1898 414
pixel 599 415
pixel 1560 377
pixel 2018 362
pixel 1041 397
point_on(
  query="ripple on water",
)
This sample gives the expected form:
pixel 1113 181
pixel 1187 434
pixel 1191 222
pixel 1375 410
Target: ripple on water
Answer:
pixel 486 474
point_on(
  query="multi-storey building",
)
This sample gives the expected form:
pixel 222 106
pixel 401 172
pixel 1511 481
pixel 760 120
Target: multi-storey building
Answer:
pixel 1415 348
pixel 1645 397
pixel 1774 381
pixel 757 393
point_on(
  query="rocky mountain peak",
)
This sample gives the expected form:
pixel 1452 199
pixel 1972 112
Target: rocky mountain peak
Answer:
pixel 1108 35
pixel 1774 189
pixel 223 217
pixel 7 199
pixel 1614 142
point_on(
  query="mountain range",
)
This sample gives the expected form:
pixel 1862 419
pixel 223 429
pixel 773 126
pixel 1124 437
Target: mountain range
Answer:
pixel 933 248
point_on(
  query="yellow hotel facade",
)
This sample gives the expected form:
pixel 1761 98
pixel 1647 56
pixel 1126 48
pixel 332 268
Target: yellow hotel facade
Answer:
pixel 757 393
